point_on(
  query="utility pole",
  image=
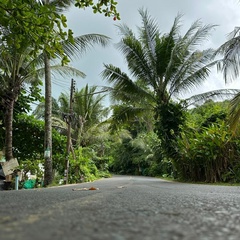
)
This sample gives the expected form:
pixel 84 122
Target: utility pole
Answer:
pixel 68 121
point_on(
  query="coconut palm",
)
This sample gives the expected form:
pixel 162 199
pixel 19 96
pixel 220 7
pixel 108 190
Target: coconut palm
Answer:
pixel 230 66
pixel 18 69
pixel 162 67
pixel 39 111
pixel 71 49
pixel 88 112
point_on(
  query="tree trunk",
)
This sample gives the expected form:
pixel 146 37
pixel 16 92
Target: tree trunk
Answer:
pixel 8 119
pixel 48 174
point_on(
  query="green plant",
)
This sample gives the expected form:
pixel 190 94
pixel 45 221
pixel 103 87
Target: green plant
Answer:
pixel 170 118
pixel 82 167
pixel 208 155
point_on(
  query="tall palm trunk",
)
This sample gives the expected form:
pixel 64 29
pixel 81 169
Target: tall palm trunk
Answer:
pixel 8 119
pixel 48 176
pixel 11 96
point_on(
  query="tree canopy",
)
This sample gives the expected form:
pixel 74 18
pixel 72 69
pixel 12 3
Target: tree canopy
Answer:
pixel 39 25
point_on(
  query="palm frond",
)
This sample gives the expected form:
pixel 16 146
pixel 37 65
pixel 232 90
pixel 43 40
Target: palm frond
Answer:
pixel 123 87
pixel 124 30
pixel 124 114
pixel 88 105
pixel 185 59
pixel 196 34
pixel 18 67
pixel 214 95
pixel 84 43
pixel 148 32
pixel 168 65
pixel 234 112
pixel 168 54
pixel 59 124
pixel 66 71
pixel 140 64
pixel 192 72
pixel 38 113
pixel 137 59
pixel 61 5
pixel 175 29
pixel 64 100
pixel 230 50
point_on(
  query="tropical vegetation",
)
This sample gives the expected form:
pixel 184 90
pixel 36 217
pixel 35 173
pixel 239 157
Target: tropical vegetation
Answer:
pixel 16 46
pixel 149 129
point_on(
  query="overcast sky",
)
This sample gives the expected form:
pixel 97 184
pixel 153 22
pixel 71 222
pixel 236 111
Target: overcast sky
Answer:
pixel 224 13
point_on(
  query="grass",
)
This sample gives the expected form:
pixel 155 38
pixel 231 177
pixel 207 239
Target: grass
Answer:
pixel 169 178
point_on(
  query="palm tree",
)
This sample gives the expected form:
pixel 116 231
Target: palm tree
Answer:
pixel 14 72
pixel 230 66
pixel 39 111
pixel 163 67
pixel 17 70
pixel 71 49
pixel 88 112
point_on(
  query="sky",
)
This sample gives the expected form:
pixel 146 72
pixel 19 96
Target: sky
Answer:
pixel 223 13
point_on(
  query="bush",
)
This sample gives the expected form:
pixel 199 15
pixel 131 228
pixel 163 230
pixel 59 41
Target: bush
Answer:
pixel 83 167
pixel 209 155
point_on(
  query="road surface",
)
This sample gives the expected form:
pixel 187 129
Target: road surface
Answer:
pixel 122 208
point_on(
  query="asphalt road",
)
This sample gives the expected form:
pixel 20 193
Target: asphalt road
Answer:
pixel 122 208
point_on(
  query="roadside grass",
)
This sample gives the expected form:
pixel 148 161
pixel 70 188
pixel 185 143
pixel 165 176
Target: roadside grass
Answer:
pixel 169 178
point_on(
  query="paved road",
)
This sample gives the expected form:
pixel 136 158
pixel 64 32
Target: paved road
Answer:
pixel 124 208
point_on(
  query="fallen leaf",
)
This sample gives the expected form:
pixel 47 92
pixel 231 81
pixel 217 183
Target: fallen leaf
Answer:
pixel 79 189
pixel 93 188
pixel 85 189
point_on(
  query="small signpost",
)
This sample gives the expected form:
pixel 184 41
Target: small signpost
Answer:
pixel 8 167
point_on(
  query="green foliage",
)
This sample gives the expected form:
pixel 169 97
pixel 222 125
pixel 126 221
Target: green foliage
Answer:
pixel 164 48
pixel 41 26
pixel 82 167
pixel 88 105
pixel 88 111
pixel 136 156
pixel 210 155
pixel 122 156
pixel 28 133
pixel 205 149
pixel 107 7
pixel 29 138
pixel 160 168
pixel 26 98
pixel 33 167
pixel 31 24
pixel 170 119
pixel 162 67
pixel 208 113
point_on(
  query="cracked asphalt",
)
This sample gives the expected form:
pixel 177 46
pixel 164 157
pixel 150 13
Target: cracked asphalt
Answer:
pixel 122 208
